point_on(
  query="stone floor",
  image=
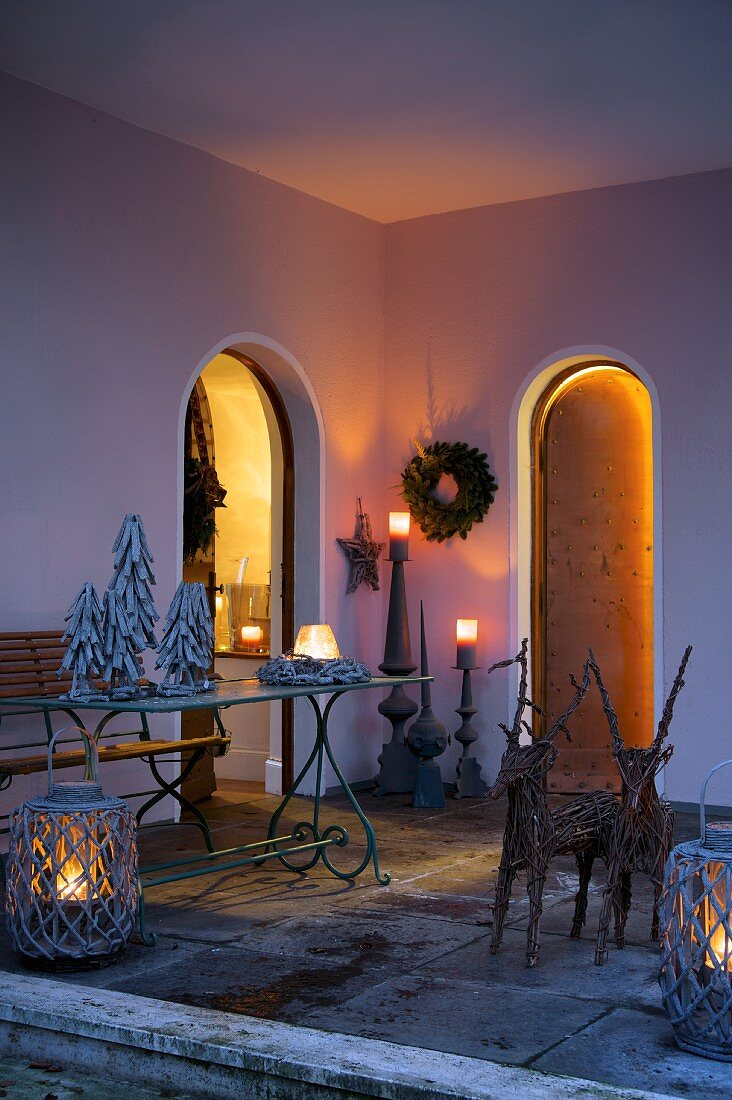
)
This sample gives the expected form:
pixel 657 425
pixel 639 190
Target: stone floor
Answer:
pixel 408 962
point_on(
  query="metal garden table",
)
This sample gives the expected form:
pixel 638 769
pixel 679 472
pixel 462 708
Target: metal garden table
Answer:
pixel 306 836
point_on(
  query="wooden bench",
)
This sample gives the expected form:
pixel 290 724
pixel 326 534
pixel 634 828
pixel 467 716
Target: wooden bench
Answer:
pixel 28 664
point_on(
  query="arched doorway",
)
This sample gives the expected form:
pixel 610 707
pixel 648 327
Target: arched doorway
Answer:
pixel 238 443
pixel 593 559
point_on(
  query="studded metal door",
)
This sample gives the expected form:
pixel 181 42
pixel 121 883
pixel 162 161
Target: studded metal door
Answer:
pixel 593 564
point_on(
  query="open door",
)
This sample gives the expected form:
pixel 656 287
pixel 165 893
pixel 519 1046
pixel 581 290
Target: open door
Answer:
pixel 592 582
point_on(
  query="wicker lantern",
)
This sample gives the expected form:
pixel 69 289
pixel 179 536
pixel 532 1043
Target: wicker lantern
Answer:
pixel 696 919
pixel 72 884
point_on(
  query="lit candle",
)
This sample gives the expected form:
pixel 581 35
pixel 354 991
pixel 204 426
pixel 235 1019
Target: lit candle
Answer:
pixel 316 640
pixel 251 635
pixel 467 643
pixel 219 603
pixel 398 536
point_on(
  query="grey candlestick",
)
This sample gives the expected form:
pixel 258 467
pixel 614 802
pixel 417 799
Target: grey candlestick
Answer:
pixel 398 767
pixel 427 738
pixel 469 783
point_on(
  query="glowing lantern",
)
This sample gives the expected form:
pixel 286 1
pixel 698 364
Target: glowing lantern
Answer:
pixel 316 641
pixel 696 919
pixel 72 885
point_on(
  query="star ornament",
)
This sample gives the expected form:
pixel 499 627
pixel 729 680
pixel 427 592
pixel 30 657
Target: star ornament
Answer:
pixel 363 554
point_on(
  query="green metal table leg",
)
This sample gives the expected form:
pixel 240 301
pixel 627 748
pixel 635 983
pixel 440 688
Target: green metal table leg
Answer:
pixel 302 829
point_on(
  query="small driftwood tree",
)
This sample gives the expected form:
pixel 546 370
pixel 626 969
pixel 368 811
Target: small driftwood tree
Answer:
pixel 534 834
pixel 122 666
pixel 132 579
pixel 84 656
pixel 186 649
pixel 643 830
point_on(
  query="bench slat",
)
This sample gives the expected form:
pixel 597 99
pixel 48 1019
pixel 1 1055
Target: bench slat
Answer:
pixel 26 765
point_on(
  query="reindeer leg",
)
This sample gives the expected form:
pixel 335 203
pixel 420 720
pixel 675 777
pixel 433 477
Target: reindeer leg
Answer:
pixel 609 899
pixel 504 883
pixel 622 907
pixel 585 861
pixel 535 887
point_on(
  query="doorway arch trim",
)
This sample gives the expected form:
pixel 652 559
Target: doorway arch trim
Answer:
pixel 308 435
pixel 529 394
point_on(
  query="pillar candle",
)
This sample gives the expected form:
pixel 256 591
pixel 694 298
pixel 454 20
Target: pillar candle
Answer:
pixel 398 536
pixel 467 643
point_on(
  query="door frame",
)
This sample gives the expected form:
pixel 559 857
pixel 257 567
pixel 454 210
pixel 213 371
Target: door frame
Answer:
pixel 534 385
pixel 288 542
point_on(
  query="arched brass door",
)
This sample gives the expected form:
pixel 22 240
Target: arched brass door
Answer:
pixel 593 563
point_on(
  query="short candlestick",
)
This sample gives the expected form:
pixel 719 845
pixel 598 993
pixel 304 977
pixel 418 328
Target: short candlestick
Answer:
pixel 469 783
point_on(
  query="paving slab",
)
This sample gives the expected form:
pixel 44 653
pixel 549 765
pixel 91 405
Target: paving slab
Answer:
pixel 565 966
pixel 387 940
pixel 628 1046
pixel 505 1025
pixel 235 979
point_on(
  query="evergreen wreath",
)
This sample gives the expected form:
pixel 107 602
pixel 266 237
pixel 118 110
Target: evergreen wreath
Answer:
pixel 476 487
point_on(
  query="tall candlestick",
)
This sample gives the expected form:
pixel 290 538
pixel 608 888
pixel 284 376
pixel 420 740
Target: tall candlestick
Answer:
pixel 467 643
pixel 399 536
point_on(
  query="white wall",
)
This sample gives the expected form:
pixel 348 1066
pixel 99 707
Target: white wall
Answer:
pixel 127 258
pixel 476 300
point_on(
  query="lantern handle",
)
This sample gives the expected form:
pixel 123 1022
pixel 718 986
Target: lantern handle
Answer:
pixel 91 759
pixel 702 798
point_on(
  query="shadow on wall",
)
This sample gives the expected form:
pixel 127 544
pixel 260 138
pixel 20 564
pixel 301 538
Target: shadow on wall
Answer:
pixel 450 421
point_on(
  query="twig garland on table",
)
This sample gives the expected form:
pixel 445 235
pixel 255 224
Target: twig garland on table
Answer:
pixel 642 834
pixel 363 554
pixel 186 649
pixel 476 488
pixel 533 834
pixel 296 670
pixel 85 653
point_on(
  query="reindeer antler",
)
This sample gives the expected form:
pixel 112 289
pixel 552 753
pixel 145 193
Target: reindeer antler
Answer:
pixel 513 733
pixel 606 704
pixel 668 710
pixel 580 692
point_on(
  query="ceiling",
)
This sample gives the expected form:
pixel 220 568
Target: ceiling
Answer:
pixel 400 108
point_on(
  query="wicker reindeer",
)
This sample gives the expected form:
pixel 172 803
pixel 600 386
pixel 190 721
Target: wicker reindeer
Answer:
pixel 642 833
pixel 533 834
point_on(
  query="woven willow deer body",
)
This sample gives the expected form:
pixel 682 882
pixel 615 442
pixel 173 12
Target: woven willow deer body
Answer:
pixel 642 833
pixel 534 834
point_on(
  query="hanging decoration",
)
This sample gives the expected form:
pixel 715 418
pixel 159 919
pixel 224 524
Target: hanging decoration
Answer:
pixel 476 489
pixel 363 554
pixel 202 491
pixel 186 650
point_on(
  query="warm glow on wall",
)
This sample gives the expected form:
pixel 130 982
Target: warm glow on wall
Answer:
pixel 318 641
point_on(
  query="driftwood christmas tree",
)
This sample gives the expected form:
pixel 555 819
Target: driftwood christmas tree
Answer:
pixel 132 579
pixel 123 667
pixel 84 656
pixel 186 650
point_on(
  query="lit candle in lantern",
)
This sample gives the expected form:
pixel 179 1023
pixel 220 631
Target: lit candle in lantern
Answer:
pixel 467 643
pixel 251 636
pixel 398 536
pixel 316 640
pixel 219 603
